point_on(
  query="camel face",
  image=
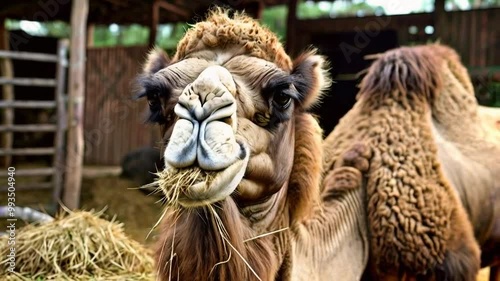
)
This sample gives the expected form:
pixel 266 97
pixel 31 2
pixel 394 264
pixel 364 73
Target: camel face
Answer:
pixel 204 137
pixel 226 103
pixel 230 127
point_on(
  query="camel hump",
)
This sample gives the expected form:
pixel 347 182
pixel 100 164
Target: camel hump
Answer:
pixel 405 70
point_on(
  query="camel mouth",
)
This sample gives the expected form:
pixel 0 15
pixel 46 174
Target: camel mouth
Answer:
pixel 193 186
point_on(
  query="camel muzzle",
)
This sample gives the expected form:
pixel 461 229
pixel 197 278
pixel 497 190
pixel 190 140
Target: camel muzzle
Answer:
pixel 204 137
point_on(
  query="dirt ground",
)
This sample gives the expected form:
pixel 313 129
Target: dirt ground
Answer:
pixel 137 210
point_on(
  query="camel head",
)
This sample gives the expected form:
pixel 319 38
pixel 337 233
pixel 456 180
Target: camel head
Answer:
pixel 232 106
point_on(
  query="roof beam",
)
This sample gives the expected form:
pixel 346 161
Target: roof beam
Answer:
pixel 172 8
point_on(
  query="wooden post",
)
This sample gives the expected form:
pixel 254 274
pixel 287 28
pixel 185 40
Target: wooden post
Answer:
pixel 290 27
pixel 153 27
pixel 7 72
pixel 260 10
pixel 439 18
pixel 76 95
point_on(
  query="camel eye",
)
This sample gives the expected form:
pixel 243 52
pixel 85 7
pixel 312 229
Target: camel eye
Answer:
pixel 153 103
pixel 282 100
pixel 155 110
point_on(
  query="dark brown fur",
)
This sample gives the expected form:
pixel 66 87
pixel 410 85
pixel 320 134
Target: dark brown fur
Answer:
pixel 306 171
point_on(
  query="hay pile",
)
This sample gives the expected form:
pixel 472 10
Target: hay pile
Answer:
pixel 76 246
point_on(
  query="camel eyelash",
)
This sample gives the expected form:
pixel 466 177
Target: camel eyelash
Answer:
pixel 154 88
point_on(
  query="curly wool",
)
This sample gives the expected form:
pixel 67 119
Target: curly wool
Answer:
pixel 415 218
pixel 221 31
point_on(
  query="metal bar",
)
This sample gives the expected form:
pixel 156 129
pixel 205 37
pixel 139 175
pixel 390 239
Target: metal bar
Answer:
pixel 40 82
pixel 29 128
pixel 28 56
pixel 28 151
pixel 27 104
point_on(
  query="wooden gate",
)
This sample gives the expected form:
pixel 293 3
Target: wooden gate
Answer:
pixel 9 126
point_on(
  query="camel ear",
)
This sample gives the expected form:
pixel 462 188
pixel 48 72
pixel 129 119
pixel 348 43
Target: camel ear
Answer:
pixel 152 85
pixel 157 60
pixel 310 77
pixel 147 83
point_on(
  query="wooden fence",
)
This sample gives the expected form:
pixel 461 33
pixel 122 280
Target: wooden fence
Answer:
pixel 474 34
pixel 9 104
pixel 114 121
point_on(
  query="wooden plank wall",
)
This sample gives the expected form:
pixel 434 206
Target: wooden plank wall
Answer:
pixel 114 122
pixel 474 34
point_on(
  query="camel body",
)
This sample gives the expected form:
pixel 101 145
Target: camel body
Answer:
pixel 415 144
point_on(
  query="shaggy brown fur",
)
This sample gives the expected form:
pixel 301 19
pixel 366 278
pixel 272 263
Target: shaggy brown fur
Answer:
pixel 416 221
pixel 220 31
pixel 191 247
pixel 303 194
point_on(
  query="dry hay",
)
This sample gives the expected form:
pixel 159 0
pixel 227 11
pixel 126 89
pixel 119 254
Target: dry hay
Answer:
pixel 77 246
pixel 173 182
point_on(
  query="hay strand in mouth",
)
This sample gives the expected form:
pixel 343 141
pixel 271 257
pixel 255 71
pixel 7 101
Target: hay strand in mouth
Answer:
pixel 174 182
pixel 265 234
pixel 77 246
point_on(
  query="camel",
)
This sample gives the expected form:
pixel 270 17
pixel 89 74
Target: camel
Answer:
pixel 252 192
pixel 431 193
pixel 232 107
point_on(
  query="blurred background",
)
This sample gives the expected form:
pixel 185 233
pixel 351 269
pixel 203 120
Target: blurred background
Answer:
pixel 74 134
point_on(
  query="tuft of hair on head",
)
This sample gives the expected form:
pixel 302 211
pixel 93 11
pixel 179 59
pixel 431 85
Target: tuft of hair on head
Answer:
pixel 411 72
pixel 311 77
pixel 157 59
pixel 224 29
